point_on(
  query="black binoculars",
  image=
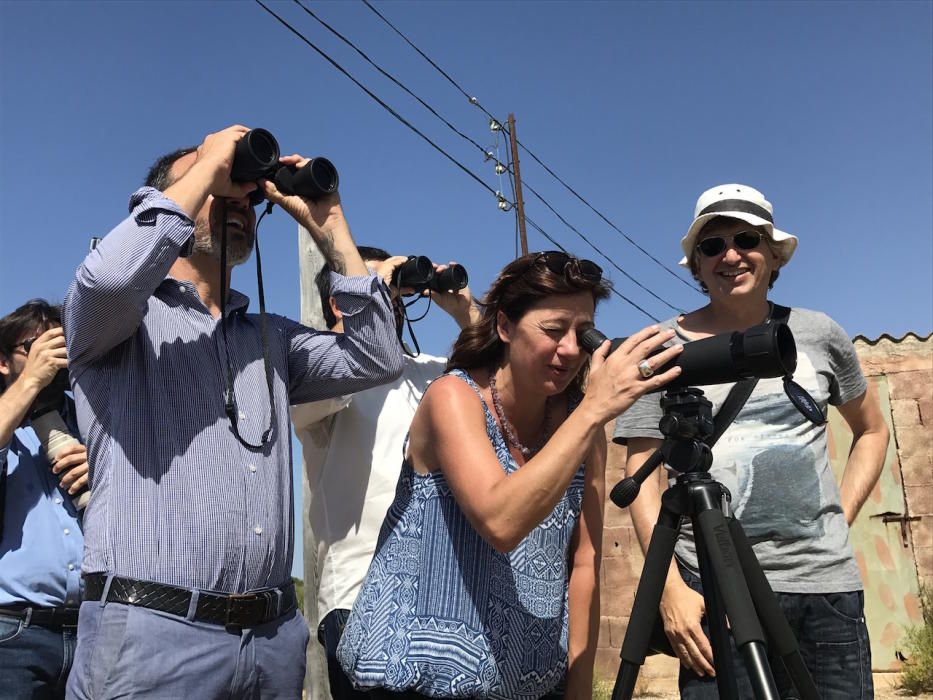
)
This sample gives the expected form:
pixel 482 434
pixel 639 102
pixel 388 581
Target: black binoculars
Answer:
pixel 257 157
pixel 418 273
pixel 766 350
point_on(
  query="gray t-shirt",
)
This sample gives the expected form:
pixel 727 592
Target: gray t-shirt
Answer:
pixel 776 465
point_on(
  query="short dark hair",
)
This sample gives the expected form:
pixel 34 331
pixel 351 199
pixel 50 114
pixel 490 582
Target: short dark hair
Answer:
pixel 160 174
pixel 34 315
pixel 322 280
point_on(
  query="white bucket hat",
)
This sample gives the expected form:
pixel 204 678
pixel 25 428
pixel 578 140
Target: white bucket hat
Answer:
pixel 737 202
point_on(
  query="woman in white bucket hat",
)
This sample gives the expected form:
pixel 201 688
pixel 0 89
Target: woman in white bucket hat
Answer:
pixel 773 460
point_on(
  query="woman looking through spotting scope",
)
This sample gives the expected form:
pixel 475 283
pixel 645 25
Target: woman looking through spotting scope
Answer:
pixel 485 578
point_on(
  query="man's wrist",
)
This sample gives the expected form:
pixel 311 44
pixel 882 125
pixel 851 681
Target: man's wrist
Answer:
pixel 29 386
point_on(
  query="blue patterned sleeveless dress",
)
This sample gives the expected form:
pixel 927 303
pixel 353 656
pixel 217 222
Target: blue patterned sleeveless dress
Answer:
pixel 443 614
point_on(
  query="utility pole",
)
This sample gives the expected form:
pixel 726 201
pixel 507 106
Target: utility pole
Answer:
pixel 519 203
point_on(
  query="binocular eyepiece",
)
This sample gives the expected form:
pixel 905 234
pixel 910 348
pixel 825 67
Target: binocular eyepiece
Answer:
pixel 763 351
pixel 418 273
pixel 257 157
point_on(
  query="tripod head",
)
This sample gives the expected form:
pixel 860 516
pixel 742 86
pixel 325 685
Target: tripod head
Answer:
pixel 686 424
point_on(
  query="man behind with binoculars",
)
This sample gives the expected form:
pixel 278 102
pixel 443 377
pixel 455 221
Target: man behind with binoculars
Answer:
pixel 184 398
pixel 351 447
pixel 772 459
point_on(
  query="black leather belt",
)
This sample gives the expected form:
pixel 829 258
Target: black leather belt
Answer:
pixel 44 617
pixel 235 609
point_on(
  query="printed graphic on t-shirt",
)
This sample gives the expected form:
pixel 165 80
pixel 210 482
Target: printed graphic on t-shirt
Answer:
pixel 771 466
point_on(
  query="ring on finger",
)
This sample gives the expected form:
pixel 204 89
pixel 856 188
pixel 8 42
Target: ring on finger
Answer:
pixel 644 369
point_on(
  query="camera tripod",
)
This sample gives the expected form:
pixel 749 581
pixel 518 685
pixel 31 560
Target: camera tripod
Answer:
pixel 733 582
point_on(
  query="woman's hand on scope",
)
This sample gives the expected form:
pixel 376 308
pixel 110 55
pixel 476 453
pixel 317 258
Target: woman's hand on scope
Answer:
pixel 320 216
pixel 615 381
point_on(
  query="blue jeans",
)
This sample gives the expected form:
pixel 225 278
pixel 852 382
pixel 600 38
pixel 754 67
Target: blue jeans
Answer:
pixel 34 660
pixel 833 639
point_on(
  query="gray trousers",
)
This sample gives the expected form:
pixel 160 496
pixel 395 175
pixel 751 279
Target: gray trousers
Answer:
pixel 126 651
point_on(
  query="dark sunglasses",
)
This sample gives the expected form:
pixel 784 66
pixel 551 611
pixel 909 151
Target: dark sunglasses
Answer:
pixel 561 263
pixel 27 344
pixel 715 245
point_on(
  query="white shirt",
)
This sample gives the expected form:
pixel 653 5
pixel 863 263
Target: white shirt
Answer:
pixel 352 450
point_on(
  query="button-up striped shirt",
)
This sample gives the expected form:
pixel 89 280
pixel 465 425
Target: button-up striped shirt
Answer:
pixel 175 497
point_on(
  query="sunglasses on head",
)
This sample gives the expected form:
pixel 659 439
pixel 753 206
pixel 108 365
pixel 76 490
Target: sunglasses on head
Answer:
pixel 715 245
pixel 561 263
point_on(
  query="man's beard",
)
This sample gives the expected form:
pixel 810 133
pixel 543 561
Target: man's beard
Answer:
pixel 207 242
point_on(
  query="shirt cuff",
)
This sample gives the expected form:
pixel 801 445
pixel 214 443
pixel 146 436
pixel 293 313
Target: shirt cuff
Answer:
pixel 145 205
pixel 353 294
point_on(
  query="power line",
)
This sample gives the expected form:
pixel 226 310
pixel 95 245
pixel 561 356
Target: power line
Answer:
pixel 474 101
pixel 603 217
pixel 379 101
pixel 611 288
pixel 471 98
pixel 453 128
pixel 594 247
pixel 387 74
pixel 404 121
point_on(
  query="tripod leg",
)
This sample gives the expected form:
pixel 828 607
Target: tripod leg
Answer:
pixel 782 639
pixel 647 599
pixel 711 525
pixel 716 619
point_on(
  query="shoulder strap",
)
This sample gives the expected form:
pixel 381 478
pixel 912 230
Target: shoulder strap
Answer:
pixel 779 313
pixel 731 407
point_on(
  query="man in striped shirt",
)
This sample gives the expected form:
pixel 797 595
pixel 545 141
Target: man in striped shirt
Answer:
pixel 184 406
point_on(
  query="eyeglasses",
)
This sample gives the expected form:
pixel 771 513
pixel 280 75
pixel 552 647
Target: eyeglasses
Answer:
pixel 27 344
pixel 561 263
pixel 715 245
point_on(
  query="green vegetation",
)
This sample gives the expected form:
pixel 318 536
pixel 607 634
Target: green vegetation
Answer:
pixel 917 675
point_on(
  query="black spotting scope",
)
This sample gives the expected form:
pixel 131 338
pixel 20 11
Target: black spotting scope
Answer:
pixel 763 351
pixel 418 273
pixel 257 156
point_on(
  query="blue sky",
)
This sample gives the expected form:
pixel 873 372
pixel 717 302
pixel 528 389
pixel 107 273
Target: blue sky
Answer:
pixel 825 107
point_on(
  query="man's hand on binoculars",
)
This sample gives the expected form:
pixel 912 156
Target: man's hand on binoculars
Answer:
pixel 208 172
pixel 458 304
pixel 321 217
pixel 47 355
pixel 386 270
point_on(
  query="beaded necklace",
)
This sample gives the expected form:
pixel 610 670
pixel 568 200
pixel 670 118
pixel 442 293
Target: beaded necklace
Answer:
pixel 507 427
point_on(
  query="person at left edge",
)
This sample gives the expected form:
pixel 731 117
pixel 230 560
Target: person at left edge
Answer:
pixel 40 529
pixel 189 532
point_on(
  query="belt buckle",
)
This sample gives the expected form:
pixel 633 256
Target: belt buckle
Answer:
pixel 232 599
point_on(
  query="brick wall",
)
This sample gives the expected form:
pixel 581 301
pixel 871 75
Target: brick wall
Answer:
pixel 908 366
